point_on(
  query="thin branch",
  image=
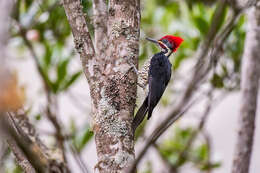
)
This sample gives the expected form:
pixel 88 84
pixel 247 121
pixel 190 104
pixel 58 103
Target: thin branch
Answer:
pixel 200 127
pixel 208 143
pixel 82 39
pixel 242 5
pixel 159 131
pixel 20 158
pixel 25 138
pixel 222 37
pixel 22 32
pixel 78 159
pixel 170 168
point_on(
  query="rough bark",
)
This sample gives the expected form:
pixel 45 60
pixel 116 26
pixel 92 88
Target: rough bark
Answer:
pixel 20 158
pixel 18 129
pixel 82 39
pixel 100 25
pixel 249 90
pixel 112 80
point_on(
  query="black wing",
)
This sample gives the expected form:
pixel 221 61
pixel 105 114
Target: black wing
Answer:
pixel 139 117
pixel 159 76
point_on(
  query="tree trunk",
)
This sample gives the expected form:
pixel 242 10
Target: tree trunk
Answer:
pixel 107 64
pixel 249 88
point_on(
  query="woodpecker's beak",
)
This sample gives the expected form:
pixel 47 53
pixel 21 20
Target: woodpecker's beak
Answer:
pixel 152 40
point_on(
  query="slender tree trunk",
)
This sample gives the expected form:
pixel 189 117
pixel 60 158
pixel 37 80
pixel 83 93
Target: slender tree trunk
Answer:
pixel 249 87
pixel 107 64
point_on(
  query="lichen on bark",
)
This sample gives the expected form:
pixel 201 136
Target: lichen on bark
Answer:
pixel 107 67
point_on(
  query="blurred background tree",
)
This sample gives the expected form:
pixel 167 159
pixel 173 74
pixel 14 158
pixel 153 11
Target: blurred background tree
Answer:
pixel 41 33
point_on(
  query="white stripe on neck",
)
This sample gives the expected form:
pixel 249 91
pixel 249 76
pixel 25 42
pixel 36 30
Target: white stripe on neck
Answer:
pixel 169 51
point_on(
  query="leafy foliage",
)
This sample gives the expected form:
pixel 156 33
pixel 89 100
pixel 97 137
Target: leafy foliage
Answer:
pixel 80 138
pixel 54 60
pixel 178 150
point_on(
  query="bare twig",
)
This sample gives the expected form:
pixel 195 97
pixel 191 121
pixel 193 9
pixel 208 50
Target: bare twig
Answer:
pixel 78 159
pixel 28 142
pixel 24 142
pixel 222 37
pixel 22 32
pixel 170 168
pixel 20 158
pixel 200 127
pixel 208 143
pixel 82 39
pixel 159 131
pixel 249 90
pixel 241 5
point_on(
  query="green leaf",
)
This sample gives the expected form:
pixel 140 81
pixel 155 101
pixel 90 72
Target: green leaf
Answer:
pixel 62 69
pixel 86 5
pixel 210 166
pixel 38 117
pixel 47 55
pixel 171 148
pixel 81 140
pixel 217 81
pixel 201 153
pixel 61 74
pixel 72 127
pixel 201 24
pixel 46 78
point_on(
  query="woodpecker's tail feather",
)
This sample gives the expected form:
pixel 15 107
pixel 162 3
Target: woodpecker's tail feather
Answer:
pixel 139 117
pixel 150 111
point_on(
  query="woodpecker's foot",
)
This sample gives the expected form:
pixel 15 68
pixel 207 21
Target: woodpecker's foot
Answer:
pixel 131 67
pixel 134 68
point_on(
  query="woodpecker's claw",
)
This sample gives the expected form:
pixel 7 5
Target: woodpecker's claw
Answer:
pixel 137 73
pixel 135 69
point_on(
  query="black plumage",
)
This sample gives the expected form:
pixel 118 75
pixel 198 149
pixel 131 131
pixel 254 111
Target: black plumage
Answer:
pixel 158 78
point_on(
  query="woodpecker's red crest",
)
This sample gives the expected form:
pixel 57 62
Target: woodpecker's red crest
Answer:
pixel 168 42
pixel 172 42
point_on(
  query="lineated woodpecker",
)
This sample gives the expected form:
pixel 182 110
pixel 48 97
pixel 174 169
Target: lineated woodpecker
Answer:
pixel 158 76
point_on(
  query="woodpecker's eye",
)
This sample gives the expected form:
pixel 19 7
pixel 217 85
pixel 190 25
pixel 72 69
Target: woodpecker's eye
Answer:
pixel 168 44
